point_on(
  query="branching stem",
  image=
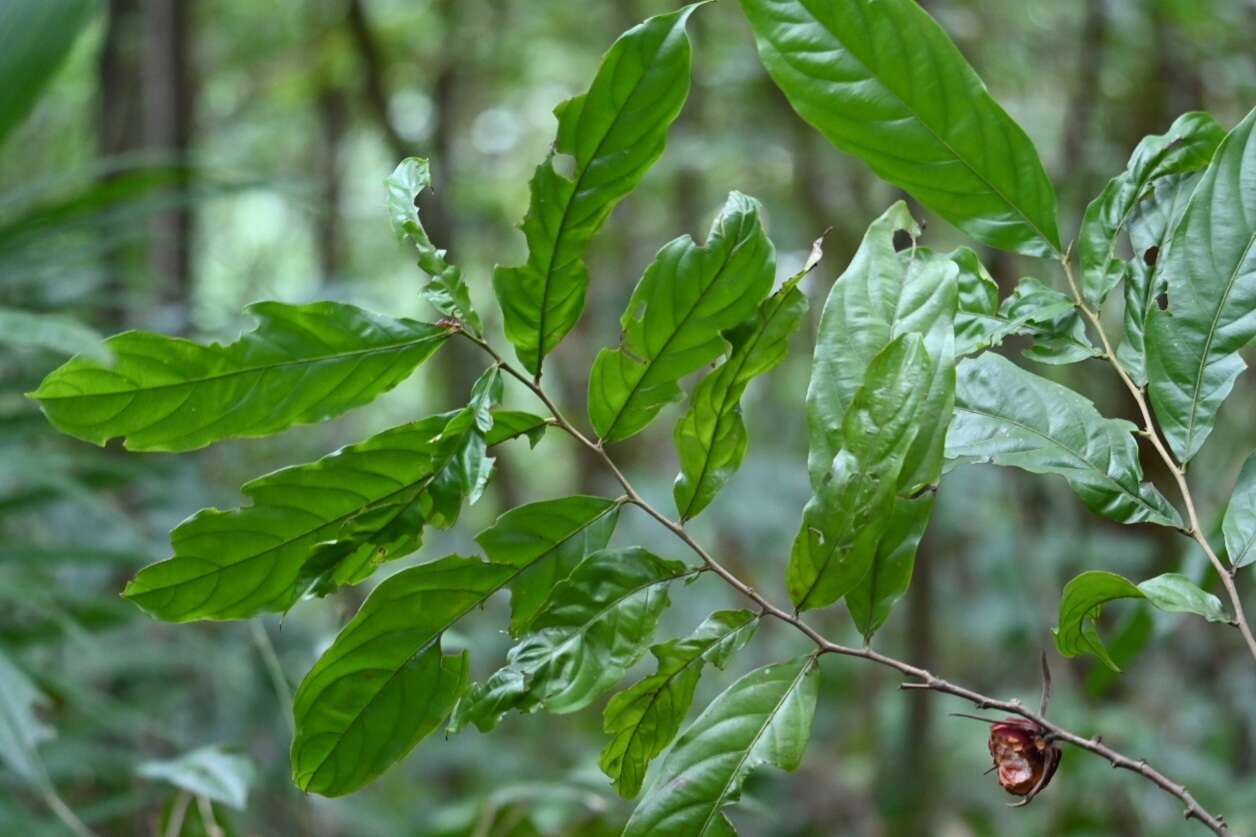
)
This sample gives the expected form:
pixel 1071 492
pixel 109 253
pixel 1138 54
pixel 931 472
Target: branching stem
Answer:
pixel 923 679
pixel 1194 529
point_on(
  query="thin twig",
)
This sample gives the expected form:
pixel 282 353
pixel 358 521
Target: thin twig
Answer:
pixel 923 679
pixel 1194 529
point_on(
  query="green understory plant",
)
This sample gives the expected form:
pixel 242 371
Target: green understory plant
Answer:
pixel 904 385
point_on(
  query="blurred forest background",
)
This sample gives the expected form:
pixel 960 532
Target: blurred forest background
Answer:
pixel 192 156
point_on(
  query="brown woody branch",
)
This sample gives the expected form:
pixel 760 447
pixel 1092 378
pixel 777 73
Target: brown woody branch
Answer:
pixel 923 679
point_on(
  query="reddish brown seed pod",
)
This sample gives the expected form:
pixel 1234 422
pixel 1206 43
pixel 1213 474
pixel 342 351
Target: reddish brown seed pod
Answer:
pixel 1024 756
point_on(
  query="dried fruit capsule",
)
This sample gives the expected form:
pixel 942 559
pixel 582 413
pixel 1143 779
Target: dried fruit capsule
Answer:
pixel 1024 756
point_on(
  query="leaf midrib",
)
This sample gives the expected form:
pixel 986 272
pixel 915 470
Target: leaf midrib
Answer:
pixel 266 367
pixel 1057 443
pixel 575 192
pixel 700 657
pixel 1208 340
pixel 993 189
pixel 651 362
pixel 732 777
pixel 437 634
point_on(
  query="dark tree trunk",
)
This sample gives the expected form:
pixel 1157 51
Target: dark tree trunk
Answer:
pixel 169 86
pixel 118 133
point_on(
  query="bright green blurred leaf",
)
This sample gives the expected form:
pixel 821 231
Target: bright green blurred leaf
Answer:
pixel 37 37
pixel 26 329
pixel 210 772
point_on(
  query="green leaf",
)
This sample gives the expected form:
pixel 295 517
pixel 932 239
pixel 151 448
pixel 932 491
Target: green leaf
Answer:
pixel 302 364
pixel 711 436
pixel 1187 147
pixel 370 500
pixel 1150 227
pixel 644 718
pixel 447 292
pixel 596 625
pixel 1080 604
pixel 843 523
pixel 673 326
pixel 384 684
pixel 1008 416
pixel 762 719
pixel 210 772
pixel 1085 595
pixel 1193 348
pixel 614 133
pixel 882 81
pixel 1175 593
pixel 1052 318
pixel 887 580
pixel 38 36
pixel 1032 309
pixel 21 728
pixel 880 296
pixel 26 329
pixel 551 537
pixel 1239 525
pixel 977 322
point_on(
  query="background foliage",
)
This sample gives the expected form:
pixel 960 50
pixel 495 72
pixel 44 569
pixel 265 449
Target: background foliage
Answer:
pixel 190 158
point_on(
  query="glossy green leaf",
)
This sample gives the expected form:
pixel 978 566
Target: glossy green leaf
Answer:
pixel 1032 309
pixel 1193 347
pixel 38 36
pixel 1150 227
pixel 1052 319
pixel 551 537
pixel 1008 416
pixel 303 363
pixel 26 329
pixel 595 626
pixel 1187 146
pixel 1084 597
pixel 370 500
pixel 762 719
pixel 843 523
pixel 873 598
pixel 1239 525
pixel 613 134
pixel 882 81
pixel 880 296
pixel 384 684
pixel 210 772
pixel 644 718
pixel 711 437
pixel 676 317
pixel 446 290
